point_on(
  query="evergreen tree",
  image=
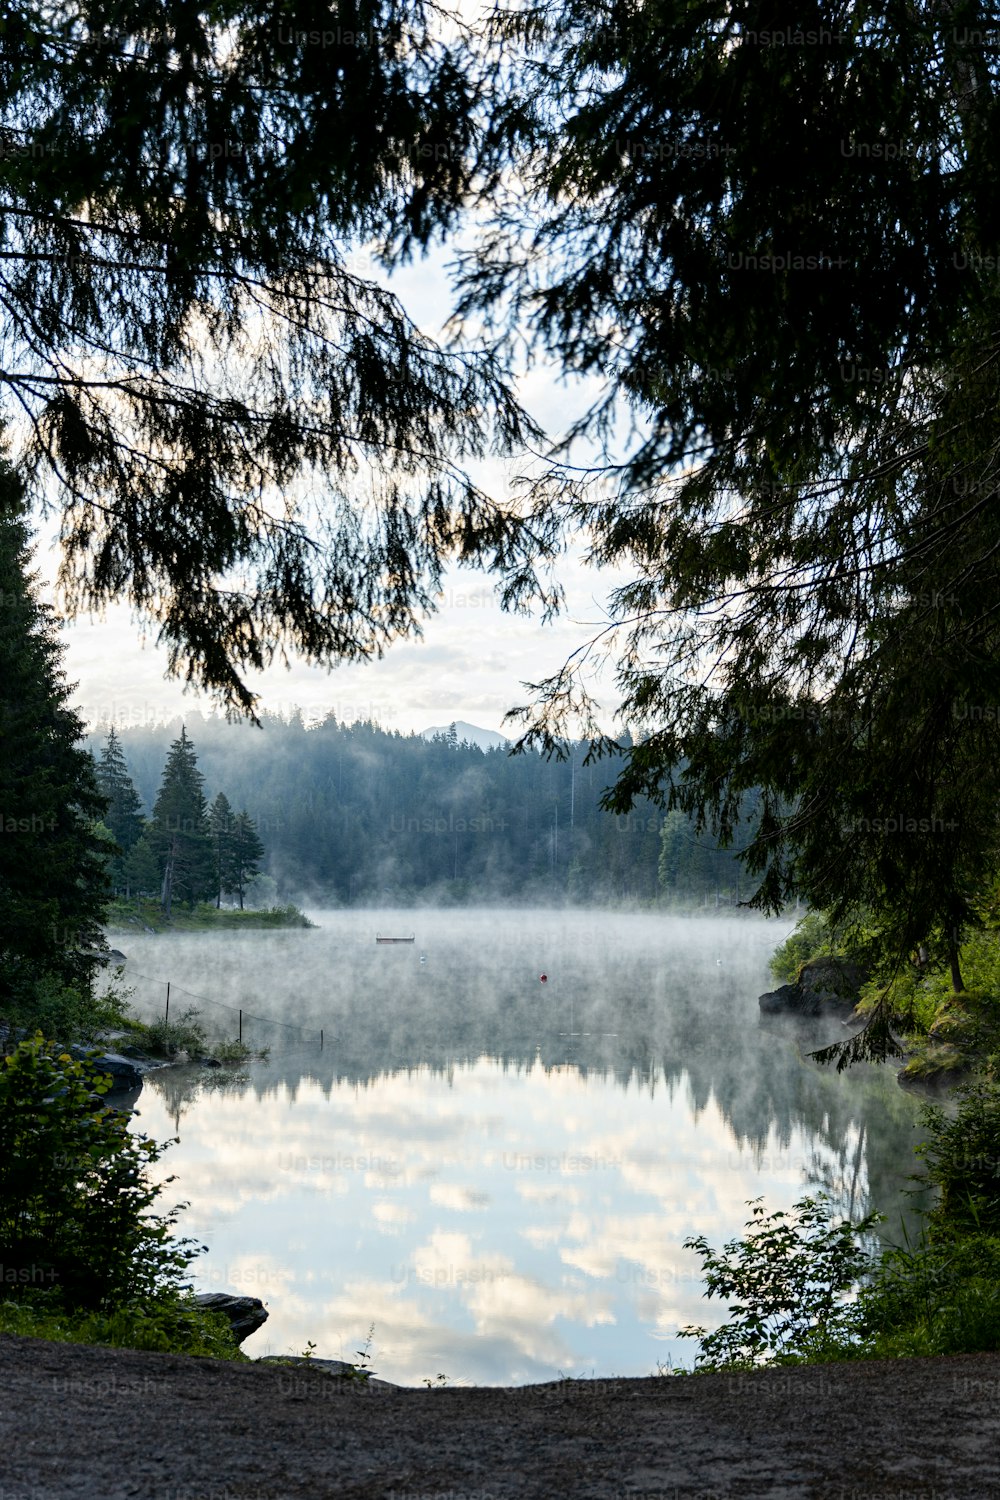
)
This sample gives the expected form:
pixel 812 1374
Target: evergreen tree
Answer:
pixel 142 870
pixel 53 882
pixel 123 818
pixel 246 853
pixel 179 830
pixel 222 830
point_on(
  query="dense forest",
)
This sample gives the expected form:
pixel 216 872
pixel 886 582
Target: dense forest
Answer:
pixel 355 814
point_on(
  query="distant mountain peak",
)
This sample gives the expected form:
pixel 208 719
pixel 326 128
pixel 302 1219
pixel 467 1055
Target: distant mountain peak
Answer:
pixel 486 739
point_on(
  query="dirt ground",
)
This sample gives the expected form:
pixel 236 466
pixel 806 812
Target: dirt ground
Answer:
pixel 108 1424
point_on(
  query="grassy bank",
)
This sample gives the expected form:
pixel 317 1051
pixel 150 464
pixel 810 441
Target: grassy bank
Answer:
pixel 86 1251
pixel 947 1037
pixel 810 1287
pixel 126 916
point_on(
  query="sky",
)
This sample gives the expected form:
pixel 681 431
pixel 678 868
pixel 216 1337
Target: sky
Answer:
pixel 470 664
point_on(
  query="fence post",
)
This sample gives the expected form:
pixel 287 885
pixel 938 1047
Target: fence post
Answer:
pixel 321 1038
pixel 166 1014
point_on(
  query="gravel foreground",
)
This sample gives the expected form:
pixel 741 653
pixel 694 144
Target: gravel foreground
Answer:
pixel 114 1423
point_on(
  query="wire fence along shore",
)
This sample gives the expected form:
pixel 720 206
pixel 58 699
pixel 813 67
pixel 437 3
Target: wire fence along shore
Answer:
pixel 171 991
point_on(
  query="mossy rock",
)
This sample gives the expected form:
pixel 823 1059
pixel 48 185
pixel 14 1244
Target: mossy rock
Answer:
pixel 935 1062
pixel 970 1020
pixel 830 982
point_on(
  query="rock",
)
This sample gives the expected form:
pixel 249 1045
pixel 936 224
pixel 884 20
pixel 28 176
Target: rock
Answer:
pixel 825 986
pixel 934 1074
pixel 245 1314
pixel 782 1001
pixel 339 1369
pixel 831 978
pixel 109 956
pixel 104 956
pixel 125 1074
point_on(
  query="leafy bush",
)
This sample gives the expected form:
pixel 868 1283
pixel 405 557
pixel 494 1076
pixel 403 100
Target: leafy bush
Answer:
pixel 811 937
pixel 283 916
pixel 943 1297
pixel 57 1009
pixel 74 1199
pixel 167 1038
pixel 232 1053
pixel 787 1285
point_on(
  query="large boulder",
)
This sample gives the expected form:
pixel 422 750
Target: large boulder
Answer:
pixel 245 1314
pixel 787 1000
pixel 126 1075
pixel 826 986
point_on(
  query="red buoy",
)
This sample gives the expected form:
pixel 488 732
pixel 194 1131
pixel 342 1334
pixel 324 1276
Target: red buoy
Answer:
pixel 543 978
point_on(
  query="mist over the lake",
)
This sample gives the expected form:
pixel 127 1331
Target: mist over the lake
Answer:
pixel 499 1170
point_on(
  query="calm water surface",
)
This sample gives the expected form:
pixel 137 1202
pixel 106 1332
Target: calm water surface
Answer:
pixel 496 1172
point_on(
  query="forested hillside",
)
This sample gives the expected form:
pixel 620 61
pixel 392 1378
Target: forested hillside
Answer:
pixel 354 814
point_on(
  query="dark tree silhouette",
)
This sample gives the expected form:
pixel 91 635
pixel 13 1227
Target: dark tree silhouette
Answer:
pixel 123 818
pixel 53 882
pixel 179 829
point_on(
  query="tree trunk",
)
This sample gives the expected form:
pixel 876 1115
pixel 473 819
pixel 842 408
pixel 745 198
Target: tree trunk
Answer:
pixel 957 982
pixel 167 893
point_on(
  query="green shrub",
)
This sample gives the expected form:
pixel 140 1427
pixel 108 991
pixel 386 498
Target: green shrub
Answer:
pixel 787 1285
pixel 57 1009
pixel 812 936
pixel 74 1198
pixel 167 1038
pixel 232 1053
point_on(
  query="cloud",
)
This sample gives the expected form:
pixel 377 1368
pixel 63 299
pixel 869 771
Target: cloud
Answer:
pixel 461 1199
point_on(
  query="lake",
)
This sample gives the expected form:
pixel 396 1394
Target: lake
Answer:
pixel 498 1171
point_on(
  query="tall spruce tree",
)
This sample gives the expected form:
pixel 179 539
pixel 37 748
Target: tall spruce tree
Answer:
pixel 221 823
pixel 246 853
pixel 123 818
pixel 142 869
pixel 53 882
pixel 179 830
